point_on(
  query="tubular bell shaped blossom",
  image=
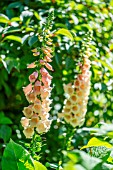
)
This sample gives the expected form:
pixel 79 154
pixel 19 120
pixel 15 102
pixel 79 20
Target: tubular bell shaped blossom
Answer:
pixel 75 106
pixel 38 93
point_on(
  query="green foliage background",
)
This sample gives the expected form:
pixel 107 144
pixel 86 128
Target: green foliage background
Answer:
pixel 20 21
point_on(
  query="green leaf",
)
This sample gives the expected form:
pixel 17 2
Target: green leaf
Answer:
pixel 52 165
pixel 39 166
pixel 100 152
pixel 36 15
pixel 5 120
pixel 15 5
pixel 70 166
pixel 13 37
pixel 111 47
pixel 107 166
pixel 5 132
pixel 58 59
pixel 32 40
pixel 10 63
pixel 111 3
pixel 26 16
pixel 15 19
pixel 83 159
pixel 105 64
pixel 11 30
pixel 69 63
pixel 97 142
pixel 4 20
pixel 24 38
pixel 15 157
pixel 65 32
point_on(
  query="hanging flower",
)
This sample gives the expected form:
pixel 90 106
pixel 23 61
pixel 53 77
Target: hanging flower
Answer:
pixel 75 106
pixel 38 93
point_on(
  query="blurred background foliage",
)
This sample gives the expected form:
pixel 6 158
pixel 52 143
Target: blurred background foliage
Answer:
pixel 20 21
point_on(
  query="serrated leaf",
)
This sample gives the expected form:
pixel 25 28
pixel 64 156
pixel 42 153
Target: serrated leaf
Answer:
pixel 32 40
pixel 13 37
pixel 5 132
pixel 17 157
pixel 65 32
pixel 39 166
pixel 100 152
pixel 97 142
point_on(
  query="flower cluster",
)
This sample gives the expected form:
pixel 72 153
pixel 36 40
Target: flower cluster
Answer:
pixel 38 93
pixel 75 106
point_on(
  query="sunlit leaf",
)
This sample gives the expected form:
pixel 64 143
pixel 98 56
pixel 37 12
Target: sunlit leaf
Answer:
pixel 4 19
pixel 65 32
pixel 97 142
pixel 16 157
pixel 39 166
pixel 13 37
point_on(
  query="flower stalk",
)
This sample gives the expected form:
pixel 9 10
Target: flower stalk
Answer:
pixel 38 92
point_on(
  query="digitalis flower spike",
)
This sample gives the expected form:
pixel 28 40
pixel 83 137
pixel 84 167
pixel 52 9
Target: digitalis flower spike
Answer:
pixel 75 106
pixel 39 90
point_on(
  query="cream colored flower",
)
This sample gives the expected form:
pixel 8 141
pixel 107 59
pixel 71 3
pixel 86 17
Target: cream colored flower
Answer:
pixel 28 132
pixel 24 121
pixel 28 112
pixel 41 128
pixel 34 121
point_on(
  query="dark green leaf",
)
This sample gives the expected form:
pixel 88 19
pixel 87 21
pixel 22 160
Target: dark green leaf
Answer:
pixel 32 40
pixel 15 157
pixel 69 63
pixel 5 120
pixel 5 132
pixel 15 5
pixel 24 39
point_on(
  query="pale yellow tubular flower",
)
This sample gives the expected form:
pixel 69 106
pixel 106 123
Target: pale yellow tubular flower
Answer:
pixel 31 97
pixel 28 112
pixel 44 116
pixel 37 107
pixel 67 117
pixel 73 98
pixel 28 132
pixel 68 89
pixel 34 121
pixel 24 121
pixel 75 107
pixel 41 127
